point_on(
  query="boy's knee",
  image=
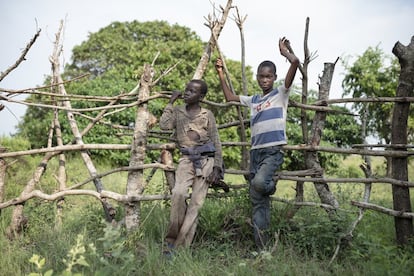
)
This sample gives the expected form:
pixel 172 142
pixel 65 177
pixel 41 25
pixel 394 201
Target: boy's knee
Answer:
pixel 262 186
pixel 178 193
pixel 257 183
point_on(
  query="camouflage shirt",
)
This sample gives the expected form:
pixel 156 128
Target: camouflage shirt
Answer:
pixel 204 124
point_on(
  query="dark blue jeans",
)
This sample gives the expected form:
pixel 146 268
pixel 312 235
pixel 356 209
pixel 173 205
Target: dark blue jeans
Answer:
pixel 263 165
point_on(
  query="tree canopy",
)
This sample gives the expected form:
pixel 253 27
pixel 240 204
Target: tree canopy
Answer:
pixel 114 57
pixel 374 74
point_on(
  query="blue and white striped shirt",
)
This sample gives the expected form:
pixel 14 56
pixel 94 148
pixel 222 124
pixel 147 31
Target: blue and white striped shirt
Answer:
pixel 268 117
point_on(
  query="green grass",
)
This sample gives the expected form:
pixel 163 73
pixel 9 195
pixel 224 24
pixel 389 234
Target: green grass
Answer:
pixel 223 244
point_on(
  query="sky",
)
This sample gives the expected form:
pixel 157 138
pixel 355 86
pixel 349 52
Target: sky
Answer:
pixel 338 28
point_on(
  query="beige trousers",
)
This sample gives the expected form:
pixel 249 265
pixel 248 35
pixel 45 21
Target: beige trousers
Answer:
pixel 183 215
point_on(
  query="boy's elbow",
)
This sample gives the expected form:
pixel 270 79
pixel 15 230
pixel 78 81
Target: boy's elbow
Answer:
pixel 295 61
pixel 228 99
pixel 232 98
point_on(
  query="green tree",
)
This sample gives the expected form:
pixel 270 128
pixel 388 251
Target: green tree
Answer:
pixel 113 58
pixel 373 74
pixel 334 136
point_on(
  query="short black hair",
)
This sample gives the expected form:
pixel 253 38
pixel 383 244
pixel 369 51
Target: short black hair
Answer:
pixel 267 63
pixel 203 86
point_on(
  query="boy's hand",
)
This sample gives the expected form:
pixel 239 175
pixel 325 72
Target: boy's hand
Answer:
pixel 175 95
pixel 284 46
pixel 219 65
pixel 215 175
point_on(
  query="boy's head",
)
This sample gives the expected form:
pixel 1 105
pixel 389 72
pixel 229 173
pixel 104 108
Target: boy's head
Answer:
pixel 195 91
pixel 267 63
pixel 202 86
pixel 266 76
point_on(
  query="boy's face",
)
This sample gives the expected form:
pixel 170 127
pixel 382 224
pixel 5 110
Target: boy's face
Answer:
pixel 265 78
pixel 192 93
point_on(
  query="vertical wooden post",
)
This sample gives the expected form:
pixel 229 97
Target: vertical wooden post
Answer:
pixel 3 168
pixel 205 58
pixel 167 159
pixel 136 180
pixel 311 157
pixel 399 165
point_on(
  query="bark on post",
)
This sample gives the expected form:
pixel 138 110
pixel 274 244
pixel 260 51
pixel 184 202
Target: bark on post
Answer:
pixel 136 180
pixel 311 157
pixel 243 111
pixel 399 165
pixel 61 178
pixel 167 159
pixel 3 168
pixel 205 58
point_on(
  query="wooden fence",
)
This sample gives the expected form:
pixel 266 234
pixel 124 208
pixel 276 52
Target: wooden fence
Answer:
pixel 136 182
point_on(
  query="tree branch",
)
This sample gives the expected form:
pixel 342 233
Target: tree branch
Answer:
pixel 22 56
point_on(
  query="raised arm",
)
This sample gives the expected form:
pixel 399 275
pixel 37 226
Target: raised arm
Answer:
pixel 228 94
pixel 167 120
pixel 284 46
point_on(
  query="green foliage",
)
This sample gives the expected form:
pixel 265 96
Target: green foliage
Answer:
pixel 116 255
pixel 85 245
pixel 225 225
pixel 312 233
pixel 332 136
pixel 17 143
pixel 36 122
pixel 75 256
pixel 223 244
pixel 232 155
pixel 373 74
pixel 114 57
pixel 39 263
pixel 84 258
pixel 374 247
pixel 347 134
pixel 14 169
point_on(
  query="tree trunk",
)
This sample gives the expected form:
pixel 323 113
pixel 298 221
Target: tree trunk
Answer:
pixel 136 180
pixel 311 157
pixel 401 195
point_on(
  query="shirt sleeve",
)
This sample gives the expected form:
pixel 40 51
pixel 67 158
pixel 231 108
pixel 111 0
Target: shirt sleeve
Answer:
pixel 245 100
pixel 167 120
pixel 283 89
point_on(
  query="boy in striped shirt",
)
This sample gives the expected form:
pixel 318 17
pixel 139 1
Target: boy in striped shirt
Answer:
pixel 268 133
